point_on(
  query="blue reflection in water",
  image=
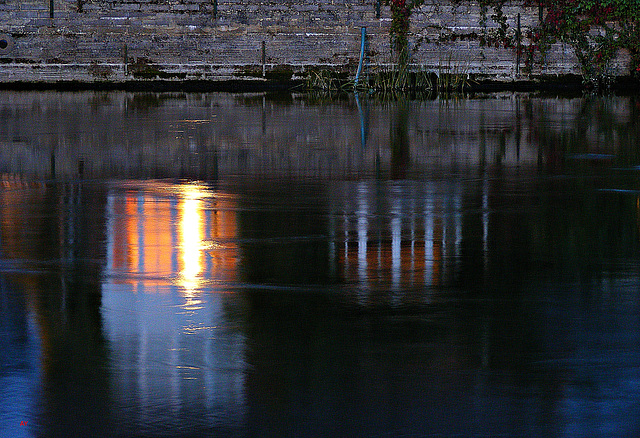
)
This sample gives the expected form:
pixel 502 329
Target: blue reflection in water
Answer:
pixel 19 363
pixel 176 361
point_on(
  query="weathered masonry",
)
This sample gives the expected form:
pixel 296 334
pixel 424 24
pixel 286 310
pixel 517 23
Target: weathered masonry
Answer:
pixel 125 40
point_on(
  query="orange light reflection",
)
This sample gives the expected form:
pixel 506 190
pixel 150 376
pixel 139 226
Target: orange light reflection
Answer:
pixel 172 235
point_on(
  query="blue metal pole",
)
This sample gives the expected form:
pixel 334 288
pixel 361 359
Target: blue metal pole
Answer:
pixel 363 36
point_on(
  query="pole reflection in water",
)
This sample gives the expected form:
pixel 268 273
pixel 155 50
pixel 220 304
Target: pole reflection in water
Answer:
pixel 175 348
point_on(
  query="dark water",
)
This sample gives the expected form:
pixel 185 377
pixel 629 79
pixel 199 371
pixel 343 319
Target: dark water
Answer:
pixel 258 266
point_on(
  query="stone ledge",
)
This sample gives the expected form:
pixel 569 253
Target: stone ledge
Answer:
pixel 248 77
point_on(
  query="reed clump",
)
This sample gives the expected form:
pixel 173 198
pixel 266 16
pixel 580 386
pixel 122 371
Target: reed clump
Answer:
pixel 416 79
pixel 448 76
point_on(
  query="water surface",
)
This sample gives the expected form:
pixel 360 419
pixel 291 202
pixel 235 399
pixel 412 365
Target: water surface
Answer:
pixel 252 265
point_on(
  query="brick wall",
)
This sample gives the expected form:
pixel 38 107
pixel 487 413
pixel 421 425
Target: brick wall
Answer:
pixel 117 40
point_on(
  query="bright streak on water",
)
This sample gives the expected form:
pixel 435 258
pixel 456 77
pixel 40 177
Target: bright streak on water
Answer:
pixel 191 240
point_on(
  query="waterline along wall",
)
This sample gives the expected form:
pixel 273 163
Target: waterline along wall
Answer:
pixel 115 41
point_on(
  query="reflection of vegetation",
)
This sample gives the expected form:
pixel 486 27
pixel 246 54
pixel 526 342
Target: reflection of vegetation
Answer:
pixel 596 125
pixel 591 219
pixel 400 153
pixel 258 99
pixel 146 101
pixel 99 99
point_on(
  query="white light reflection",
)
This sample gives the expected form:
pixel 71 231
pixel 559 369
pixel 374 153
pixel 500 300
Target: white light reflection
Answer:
pixel 361 214
pixel 191 233
pixel 396 242
pixel 407 247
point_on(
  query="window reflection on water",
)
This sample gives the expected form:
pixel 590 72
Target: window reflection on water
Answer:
pixel 191 239
pixel 179 233
pixel 171 339
pixel 401 238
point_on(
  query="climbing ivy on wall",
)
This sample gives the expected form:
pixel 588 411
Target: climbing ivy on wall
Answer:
pixel 596 29
pixel 400 13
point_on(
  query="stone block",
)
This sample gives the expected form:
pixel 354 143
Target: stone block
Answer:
pixel 127 7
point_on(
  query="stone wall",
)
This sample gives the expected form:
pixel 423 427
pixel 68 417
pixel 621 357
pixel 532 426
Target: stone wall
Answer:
pixel 123 40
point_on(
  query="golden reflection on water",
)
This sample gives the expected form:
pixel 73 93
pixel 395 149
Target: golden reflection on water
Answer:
pixel 181 235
